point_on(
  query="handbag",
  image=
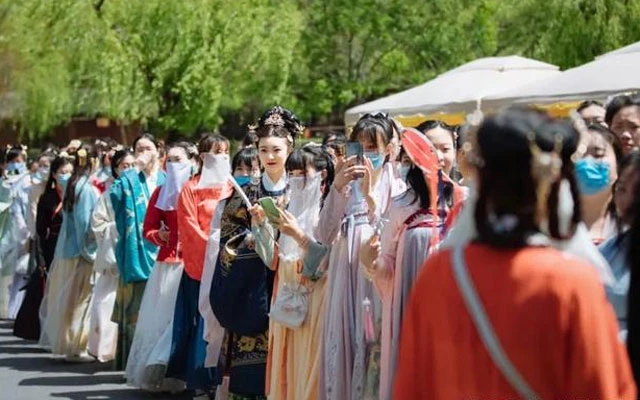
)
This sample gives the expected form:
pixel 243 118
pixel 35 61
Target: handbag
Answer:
pixel 483 325
pixel 291 305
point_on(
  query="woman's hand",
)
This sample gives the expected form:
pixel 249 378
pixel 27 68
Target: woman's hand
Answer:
pixel 288 225
pixel 348 171
pixel 366 185
pixel 258 216
pixel 369 253
pixel 163 235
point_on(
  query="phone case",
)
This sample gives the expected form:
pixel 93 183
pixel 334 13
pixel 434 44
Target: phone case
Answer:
pixel 269 207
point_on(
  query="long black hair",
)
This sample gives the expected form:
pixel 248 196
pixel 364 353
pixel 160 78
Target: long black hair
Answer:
pixel 117 158
pixel 86 160
pixel 376 128
pixel 633 261
pixel 246 156
pixel 415 179
pixel 56 164
pixel 507 188
pixel 316 157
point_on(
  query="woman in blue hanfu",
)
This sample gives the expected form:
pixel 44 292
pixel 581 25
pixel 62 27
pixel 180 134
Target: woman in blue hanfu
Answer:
pixel 130 195
pixel 69 289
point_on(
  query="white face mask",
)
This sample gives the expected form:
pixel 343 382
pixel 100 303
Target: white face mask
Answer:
pixel 216 170
pixel 304 205
pixel 178 173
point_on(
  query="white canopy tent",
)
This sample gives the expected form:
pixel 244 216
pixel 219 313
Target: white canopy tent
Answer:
pixel 609 74
pixel 460 90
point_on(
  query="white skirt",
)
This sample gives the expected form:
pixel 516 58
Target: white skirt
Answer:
pixel 103 337
pixel 151 345
pixel 66 325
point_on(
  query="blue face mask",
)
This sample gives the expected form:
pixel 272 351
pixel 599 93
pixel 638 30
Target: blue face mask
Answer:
pixel 242 180
pixel 16 167
pixel 63 179
pixel 375 158
pixel 404 171
pixel 592 175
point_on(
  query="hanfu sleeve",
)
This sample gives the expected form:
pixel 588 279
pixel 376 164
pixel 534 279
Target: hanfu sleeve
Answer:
pixel 116 192
pixel 264 236
pixel 315 253
pixel 190 233
pixel 43 221
pixel 152 221
pixel 331 216
pixel 83 209
pixel 100 221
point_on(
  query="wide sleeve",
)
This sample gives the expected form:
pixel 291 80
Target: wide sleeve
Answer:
pixel 100 220
pixel 43 221
pixel 412 379
pixel 152 221
pixel 34 193
pixel 83 209
pixel 598 366
pixel 331 216
pixel 191 235
pixel 117 195
pixel 312 260
pixel 265 242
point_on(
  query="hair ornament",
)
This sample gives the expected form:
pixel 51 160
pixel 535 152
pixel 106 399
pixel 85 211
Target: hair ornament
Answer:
pixel 581 127
pixel 545 170
pixel 275 119
pixel 82 157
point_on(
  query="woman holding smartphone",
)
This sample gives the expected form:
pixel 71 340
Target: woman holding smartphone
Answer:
pixel 243 279
pixel 359 196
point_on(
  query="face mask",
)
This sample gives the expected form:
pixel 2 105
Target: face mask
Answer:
pixel 404 171
pixel 375 158
pixel 592 176
pixel 16 167
pixel 63 179
pixel 242 180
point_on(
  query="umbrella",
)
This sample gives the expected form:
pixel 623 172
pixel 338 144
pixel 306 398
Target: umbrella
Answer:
pixel 459 90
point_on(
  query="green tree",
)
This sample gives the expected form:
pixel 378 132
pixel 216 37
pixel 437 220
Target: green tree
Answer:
pixel 356 51
pixel 173 65
pixel 567 33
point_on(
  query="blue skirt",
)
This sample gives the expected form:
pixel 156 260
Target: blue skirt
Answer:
pixel 188 348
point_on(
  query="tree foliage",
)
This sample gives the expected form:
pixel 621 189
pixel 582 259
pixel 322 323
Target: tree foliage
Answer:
pixel 180 65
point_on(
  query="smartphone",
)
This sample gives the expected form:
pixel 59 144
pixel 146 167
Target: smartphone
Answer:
pixel 355 149
pixel 270 208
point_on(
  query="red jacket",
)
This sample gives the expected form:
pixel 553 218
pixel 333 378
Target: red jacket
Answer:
pixel 195 210
pixel 170 251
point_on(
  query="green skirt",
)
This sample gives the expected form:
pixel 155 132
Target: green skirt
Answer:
pixel 125 314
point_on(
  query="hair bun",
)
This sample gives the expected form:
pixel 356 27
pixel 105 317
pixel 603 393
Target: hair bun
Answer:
pixel 280 117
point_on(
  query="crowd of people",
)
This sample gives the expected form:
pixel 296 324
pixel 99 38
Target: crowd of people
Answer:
pixel 490 260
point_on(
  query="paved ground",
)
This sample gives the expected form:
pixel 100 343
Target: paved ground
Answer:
pixel 29 373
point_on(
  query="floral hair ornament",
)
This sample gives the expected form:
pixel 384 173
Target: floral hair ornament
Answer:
pixel 275 119
pixel 583 134
pixel 545 170
pixel 82 157
pixel 474 121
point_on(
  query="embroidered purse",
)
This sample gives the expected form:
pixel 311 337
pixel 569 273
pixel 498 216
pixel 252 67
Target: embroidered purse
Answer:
pixel 291 305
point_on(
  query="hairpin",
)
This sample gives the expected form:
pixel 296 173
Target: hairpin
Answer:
pixel 82 157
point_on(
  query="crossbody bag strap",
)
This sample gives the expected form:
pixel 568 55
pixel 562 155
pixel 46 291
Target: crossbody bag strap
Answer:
pixel 485 329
